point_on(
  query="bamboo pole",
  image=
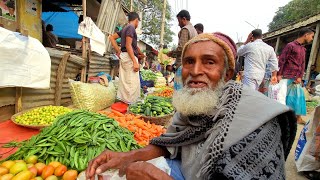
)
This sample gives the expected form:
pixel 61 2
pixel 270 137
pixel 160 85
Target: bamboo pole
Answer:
pixel 314 51
pixel 163 23
pixel 84 45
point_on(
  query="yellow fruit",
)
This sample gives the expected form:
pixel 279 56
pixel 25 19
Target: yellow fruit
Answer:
pixel 23 175
pixel 3 171
pixel 32 159
pixel 18 167
pixel 8 164
pixel 19 161
pixel 6 177
pixel 55 164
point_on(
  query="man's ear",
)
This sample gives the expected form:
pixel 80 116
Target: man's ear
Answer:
pixel 229 75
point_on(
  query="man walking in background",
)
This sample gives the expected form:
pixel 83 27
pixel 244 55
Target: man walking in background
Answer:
pixel 199 28
pixel 129 83
pixel 186 33
pixel 256 56
pixel 292 67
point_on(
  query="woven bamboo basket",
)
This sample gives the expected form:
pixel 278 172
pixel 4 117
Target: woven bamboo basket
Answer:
pixel 159 120
pixel 13 119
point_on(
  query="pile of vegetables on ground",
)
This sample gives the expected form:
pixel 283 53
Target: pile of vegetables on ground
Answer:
pixel 31 169
pixel 75 138
pixel 149 75
pixel 164 92
pixel 143 131
pixel 42 115
pixel 153 106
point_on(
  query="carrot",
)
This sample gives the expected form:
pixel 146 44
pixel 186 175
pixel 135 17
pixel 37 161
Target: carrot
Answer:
pixel 143 131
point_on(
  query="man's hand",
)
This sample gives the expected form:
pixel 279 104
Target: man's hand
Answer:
pixel 108 160
pixel 249 39
pixel 274 80
pixel 298 81
pixel 136 67
pixel 143 170
pixel 279 78
pixel 118 54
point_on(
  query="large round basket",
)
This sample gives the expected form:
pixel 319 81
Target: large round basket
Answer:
pixel 159 120
pixel 13 119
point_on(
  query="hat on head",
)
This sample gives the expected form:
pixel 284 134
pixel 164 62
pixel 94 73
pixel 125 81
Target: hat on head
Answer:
pixel 222 40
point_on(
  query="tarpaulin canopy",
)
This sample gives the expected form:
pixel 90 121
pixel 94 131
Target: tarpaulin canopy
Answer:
pixel 65 24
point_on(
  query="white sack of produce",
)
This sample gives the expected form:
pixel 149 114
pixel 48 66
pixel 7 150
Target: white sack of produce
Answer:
pixel 24 61
pixel 92 97
pixel 159 162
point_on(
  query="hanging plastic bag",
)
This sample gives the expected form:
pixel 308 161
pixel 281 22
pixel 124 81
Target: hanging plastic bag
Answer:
pixel 308 148
pixel 278 91
pixel 296 99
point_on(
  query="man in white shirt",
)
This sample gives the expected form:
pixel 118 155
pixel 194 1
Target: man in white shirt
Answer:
pixel 257 54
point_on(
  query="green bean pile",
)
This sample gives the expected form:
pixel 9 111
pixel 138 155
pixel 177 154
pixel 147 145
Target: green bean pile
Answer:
pixel 75 138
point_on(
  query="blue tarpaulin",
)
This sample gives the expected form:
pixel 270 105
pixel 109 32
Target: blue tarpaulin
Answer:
pixel 65 24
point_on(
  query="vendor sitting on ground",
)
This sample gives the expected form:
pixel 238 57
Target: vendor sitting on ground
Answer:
pixel 221 130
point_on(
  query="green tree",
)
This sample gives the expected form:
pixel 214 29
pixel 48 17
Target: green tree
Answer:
pixel 151 21
pixel 294 11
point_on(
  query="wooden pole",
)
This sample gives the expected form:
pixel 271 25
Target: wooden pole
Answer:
pixel 84 45
pixel 131 5
pixel 277 45
pixel 163 23
pixel 314 51
pixel 59 82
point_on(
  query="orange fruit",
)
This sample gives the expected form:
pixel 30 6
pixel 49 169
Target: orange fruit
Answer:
pixel 3 171
pixel 47 171
pixel 60 170
pixel 8 164
pixel 55 164
pixel 70 175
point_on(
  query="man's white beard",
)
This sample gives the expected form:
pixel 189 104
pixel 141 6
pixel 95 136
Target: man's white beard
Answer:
pixel 197 101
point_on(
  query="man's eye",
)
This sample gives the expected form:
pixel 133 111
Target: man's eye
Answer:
pixel 189 61
pixel 210 62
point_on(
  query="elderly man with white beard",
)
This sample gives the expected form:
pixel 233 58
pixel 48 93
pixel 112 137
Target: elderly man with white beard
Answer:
pixel 221 129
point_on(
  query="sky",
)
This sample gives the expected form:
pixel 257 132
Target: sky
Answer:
pixel 227 16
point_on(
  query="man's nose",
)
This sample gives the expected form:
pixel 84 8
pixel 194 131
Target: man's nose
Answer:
pixel 197 69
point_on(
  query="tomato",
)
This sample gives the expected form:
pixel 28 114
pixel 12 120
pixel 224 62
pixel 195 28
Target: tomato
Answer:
pixel 18 167
pixel 32 159
pixel 47 171
pixel 40 167
pixel 34 171
pixel 70 175
pixel 6 177
pixel 60 170
pixel 52 177
pixel 23 175
pixel 55 164
pixel 3 171
pixel 8 164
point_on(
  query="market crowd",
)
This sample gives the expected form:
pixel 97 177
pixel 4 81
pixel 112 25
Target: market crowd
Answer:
pixel 222 129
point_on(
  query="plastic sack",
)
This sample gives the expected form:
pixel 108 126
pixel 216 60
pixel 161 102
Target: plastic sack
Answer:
pixel 278 91
pixel 308 148
pixel 113 174
pixel 92 97
pixel 273 91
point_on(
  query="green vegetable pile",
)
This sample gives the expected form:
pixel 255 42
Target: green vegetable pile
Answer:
pixel 42 115
pixel 312 104
pixel 152 106
pixel 148 75
pixel 76 138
